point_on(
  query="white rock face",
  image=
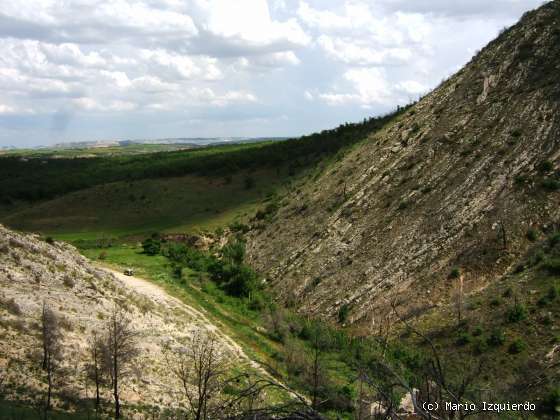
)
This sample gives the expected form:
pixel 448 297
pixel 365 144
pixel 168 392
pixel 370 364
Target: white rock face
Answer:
pixel 82 295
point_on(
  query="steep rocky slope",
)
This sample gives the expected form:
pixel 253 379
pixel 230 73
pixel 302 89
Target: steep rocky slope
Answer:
pixel 453 185
pixel 33 271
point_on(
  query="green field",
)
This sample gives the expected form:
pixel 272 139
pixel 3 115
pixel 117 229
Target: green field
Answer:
pixel 183 204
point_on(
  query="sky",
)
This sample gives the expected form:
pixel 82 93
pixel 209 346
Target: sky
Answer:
pixel 82 70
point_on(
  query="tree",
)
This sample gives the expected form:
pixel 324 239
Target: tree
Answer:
pixel 152 245
pixel 94 366
pixel 51 338
pixel 120 350
pixel 316 376
pixel 201 369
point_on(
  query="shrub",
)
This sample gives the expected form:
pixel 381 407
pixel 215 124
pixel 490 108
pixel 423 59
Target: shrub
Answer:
pixel 151 246
pixel 532 235
pixel 536 258
pixel 552 293
pixel 550 404
pixel 68 282
pixel 403 205
pixel 508 292
pixel 519 268
pixel 516 313
pixel 545 166
pixel 102 255
pixel 12 306
pixel 249 183
pixel 554 240
pixel 49 240
pixel 517 346
pixel 552 265
pixel 343 313
pixel 496 302
pixel 516 133
pixel 497 338
pixel 239 227
pixel 178 272
pixel 480 346
pixel 234 252
pixel 551 184
pixel 455 273
pixel 477 331
pixel 463 339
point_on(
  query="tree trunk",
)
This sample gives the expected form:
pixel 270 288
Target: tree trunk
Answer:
pixel 116 387
pixel 97 399
pixel 49 387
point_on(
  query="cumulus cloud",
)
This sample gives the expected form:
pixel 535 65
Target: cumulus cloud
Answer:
pixel 288 66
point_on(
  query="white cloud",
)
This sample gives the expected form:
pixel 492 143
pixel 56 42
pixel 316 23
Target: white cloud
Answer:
pixel 228 61
pixel 6 109
pixel 353 52
pixel 412 87
pixel 369 87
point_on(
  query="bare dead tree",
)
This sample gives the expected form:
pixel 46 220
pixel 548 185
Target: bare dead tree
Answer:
pixel 460 297
pixel 51 338
pixel 201 368
pixel 316 375
pixel 94 368
pixel 120 350
pixel 437 385
pixel 204 372
pixel 503 234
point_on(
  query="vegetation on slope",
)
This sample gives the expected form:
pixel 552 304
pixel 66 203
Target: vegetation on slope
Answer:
pixel 343 372
pixel 39 179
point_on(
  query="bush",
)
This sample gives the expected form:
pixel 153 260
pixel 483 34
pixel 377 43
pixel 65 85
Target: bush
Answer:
pixel 249 183
pixel 552 265
pixel 517 346
pixel 49 240
pixel 343 313
pixel 151 246
pixel 516 313
pixel 68 282
pixel 516 133
pixel 550 296
pixel 545 166
pixel 102 255
pixel 532 235
pixel 463 339
pixel 496 302
pixel 12 306
pixel 497 338
pixel 403 205
pixel 178 272
pixel 239 227
pixel 550 404
pixel 508 292
pixel 480 346
pixel 455 273
pixel 551 184
pixel 234 252
pixel 554 240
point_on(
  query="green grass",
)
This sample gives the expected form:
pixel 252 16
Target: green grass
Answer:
pixel 184 204
pixel 232 315
pixel 240 323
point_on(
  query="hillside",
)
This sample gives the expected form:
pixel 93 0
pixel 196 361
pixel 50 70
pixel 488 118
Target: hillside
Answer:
pixel 33 273
pixel 203 188
pixel 458 186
